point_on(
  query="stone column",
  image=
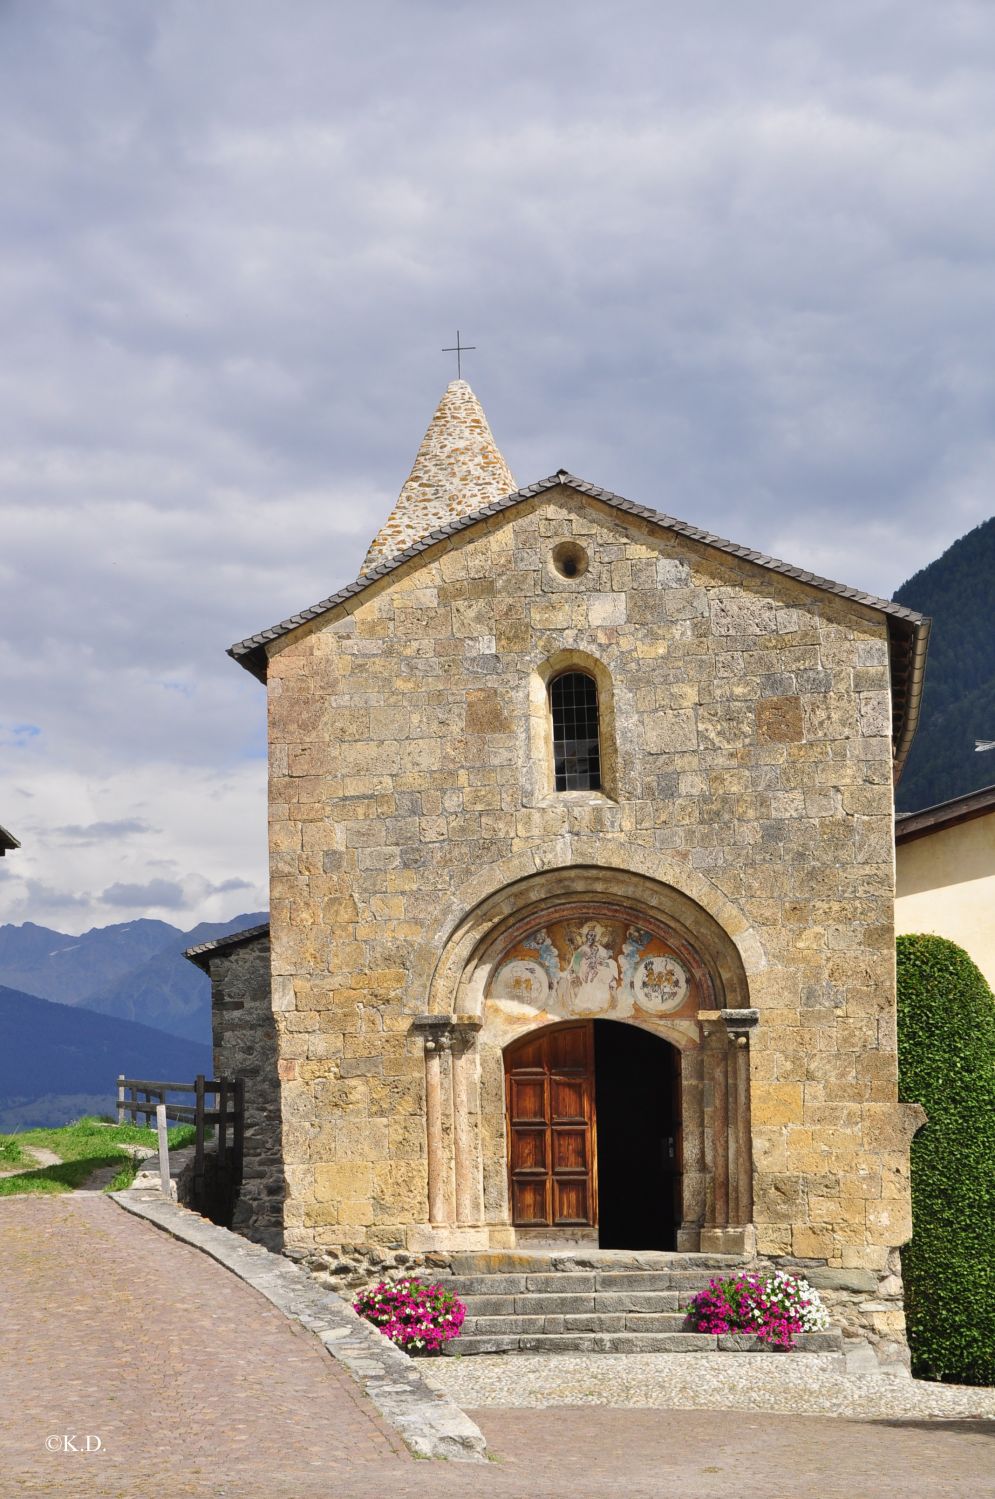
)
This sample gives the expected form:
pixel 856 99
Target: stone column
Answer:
pixel 435 1030
pixel 717 1104
pixel 444 1045
pixel 696 1153
pixel 739 1024
pixel 466 1124
pixel 743 1134
pixel 729 1228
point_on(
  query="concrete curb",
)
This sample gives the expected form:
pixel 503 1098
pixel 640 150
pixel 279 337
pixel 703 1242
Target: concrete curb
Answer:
pixel 431 1424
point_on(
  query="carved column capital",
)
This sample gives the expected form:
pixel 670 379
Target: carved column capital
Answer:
pixel 464 1031
pixel 739 1024
pixel 447 1032
pixel 435 1031
pixel 714 1034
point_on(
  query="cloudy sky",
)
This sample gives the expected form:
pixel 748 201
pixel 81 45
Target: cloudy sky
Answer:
pixel 732 261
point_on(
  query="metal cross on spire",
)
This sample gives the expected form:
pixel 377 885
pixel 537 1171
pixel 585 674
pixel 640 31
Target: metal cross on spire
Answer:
pixel 459 349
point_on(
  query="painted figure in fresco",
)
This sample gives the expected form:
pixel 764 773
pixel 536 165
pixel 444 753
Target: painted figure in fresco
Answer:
pixel 542 945
pixel 636 940
pixel 593 967
pixel 592 977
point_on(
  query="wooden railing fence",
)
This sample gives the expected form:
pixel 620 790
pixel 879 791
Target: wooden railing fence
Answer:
pixel 225 1115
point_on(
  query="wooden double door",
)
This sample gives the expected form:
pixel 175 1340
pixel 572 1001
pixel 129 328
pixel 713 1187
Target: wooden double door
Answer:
pixel 594 1138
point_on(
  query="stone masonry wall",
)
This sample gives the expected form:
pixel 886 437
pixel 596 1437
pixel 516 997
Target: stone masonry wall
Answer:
pixel 458 469
pixel 751 717
pixel 245 1046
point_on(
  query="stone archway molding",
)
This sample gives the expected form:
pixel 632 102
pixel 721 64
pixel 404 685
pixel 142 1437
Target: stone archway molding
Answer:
pixel 672 888
pixel 465 1080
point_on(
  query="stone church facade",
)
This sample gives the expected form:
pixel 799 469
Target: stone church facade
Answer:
pixel 582 888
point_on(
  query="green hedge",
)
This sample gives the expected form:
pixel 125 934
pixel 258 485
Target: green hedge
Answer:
pixel 946 1050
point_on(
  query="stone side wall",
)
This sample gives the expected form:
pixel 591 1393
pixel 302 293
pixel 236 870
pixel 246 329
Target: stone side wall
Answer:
pixel 245 1046
pixel 752 722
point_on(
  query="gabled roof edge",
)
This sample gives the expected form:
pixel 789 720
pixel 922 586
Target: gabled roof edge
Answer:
pixel 912 825
pixel 251 652
pixel 202 954
pixel 908 678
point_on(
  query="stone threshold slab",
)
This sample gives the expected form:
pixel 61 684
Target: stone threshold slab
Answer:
pixel 573 1258
pixel 430 1423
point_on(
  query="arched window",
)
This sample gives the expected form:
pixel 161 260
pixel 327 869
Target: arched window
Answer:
pixel 573 703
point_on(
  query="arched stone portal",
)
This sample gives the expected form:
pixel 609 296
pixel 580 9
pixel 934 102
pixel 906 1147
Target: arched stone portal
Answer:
pixel 587 946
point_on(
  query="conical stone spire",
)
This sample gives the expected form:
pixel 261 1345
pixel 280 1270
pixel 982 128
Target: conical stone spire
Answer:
pixel 459 469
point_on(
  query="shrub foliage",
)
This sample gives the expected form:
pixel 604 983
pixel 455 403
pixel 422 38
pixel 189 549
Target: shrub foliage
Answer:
pixel 946 1048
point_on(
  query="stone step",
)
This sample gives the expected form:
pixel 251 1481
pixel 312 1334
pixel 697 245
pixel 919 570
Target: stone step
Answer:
pixel 640 1301
pixel 561 1282
pixel 594 1302
pixel 651 1280
pixel 538 1261
pixel 580 1283
pixel 607 1301
pixel 633 1342
pixel 652 1321
pixel 581 1342
pixel 577 1322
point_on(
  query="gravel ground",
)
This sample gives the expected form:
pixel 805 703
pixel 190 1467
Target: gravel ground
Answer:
pixel 804 1384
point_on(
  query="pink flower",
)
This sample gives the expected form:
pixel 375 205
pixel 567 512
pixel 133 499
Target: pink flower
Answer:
pixel 411 1314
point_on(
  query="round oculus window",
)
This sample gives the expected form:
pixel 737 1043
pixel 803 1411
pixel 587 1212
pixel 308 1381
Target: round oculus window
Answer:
pixel 569 559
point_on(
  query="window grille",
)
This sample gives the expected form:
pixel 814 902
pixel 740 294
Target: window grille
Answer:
pixel 573 701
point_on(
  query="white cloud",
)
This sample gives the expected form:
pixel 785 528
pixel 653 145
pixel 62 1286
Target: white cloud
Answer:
pixel 96 832
pixel 203 858
pixel 734 262
pixel 155 895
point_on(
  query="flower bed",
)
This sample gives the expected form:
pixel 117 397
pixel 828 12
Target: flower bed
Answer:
pixel 775 1307
pixel 417 1317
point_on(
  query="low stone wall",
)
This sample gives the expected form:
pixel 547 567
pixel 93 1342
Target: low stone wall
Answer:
pixel 866 1305
pixel 353 1266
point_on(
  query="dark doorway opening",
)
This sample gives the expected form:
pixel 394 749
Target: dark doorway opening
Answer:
pixel 638 1105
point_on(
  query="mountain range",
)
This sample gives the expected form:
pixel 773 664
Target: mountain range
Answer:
pixel 958 707
pixel 60 1061
pixel 134 970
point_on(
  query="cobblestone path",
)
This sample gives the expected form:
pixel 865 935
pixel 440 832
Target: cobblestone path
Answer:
pixel 112 1329
pixel 196 1386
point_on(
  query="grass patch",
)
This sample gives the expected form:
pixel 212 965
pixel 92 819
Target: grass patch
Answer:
pixel 82 1148
pixel 11 1153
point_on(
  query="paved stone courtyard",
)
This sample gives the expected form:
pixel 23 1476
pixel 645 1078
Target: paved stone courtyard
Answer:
pixel 196 1386
pixel 802 1384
